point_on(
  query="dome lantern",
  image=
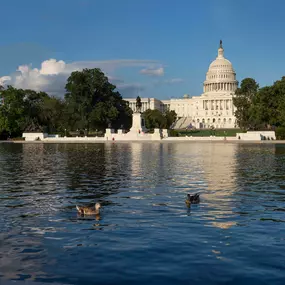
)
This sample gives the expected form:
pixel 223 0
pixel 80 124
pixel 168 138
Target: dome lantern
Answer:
pixel 221 50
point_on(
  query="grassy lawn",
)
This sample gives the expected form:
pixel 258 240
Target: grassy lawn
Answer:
pixel 207 133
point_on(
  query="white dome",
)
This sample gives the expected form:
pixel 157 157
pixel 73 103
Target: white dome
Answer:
pixel 221 76
pixel 221 64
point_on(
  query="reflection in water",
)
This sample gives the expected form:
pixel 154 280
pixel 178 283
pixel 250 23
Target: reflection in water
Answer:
pixel 96 217
pixel 145 228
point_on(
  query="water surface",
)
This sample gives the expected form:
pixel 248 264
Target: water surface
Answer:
pixel 145 234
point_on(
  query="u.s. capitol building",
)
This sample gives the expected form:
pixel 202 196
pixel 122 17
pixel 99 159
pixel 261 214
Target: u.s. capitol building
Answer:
pixel 214 108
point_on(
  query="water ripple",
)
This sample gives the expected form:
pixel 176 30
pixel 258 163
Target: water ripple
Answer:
pixel 145 232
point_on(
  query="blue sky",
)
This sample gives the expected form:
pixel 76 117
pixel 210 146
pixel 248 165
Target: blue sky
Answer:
pixel 154 48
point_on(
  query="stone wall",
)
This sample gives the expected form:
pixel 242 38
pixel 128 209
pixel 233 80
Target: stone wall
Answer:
pixel 34 136
pixel 256 135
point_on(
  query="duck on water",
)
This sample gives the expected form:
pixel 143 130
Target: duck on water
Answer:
pixel 89 210
pixel 83 210
pixel 192 199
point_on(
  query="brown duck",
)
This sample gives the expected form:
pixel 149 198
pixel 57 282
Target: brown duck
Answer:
pixel 192 199
pixel 89 210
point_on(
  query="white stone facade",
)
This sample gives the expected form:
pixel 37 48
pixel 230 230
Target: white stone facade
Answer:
pixel 214 108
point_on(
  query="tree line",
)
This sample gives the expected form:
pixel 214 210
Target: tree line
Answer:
pixel 91 103
pixel 261 108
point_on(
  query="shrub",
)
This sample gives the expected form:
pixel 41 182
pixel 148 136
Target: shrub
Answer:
pixel 173 133
pixel 18 139
pixel 280 133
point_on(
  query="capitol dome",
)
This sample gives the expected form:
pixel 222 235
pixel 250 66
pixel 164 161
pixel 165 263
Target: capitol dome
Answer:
pixel 221 76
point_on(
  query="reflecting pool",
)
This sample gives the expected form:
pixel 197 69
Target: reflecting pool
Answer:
pixel 145 233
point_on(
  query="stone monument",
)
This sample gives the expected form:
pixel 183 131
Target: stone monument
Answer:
pixel 138 125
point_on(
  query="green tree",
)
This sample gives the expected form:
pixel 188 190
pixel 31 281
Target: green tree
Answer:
pixel 12 112
pixel 171 117
pixel 28 110
pixel 263 109
pixel 92 101
pixel 269 105
pixel 1 98
pixel 279 101
pixel 243 100
pixel 281 111
pixel 51 115
pixel 33 106
pixel 154 119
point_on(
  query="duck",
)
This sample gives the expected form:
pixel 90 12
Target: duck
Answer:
pixel 89 210
pixel 192 199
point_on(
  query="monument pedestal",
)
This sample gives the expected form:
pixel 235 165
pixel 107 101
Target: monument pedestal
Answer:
pixel 156 134
pixel 138 125
pixel 165 133
pixel 109 133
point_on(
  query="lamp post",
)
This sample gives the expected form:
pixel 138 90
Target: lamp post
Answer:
pixel 85 132
pixel 65 132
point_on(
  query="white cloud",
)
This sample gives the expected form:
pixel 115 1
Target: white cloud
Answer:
pixel 4 79
pixel 174 80
pixel 52 75
pixel 52 66
pixel 153 71
pixel 111 65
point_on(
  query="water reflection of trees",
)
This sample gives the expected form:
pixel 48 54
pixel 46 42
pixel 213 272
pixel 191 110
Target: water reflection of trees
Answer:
pixel 9 162
pixel 94 171
pixel 260 167
pixel 260 176
pixel 47 181
pixel 49 177
pixel 254 162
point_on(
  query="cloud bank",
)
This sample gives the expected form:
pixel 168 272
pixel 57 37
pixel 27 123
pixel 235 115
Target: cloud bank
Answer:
pixel 52 75
pixel 153 71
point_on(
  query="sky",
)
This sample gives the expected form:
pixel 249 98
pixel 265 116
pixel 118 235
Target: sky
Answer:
pixel 152 48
